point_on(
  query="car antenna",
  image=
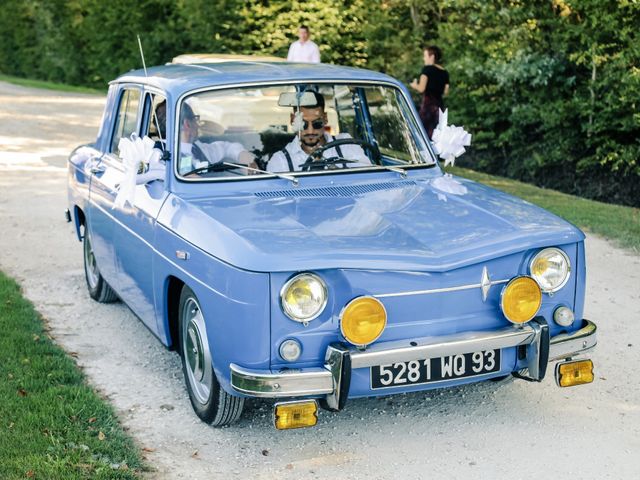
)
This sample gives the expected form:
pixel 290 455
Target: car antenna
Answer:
pixel 153 113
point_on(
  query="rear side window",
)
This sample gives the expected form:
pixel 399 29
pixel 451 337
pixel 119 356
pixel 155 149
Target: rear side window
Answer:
pixel 127 119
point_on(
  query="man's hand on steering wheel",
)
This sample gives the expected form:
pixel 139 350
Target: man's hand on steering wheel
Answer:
pixel 315 158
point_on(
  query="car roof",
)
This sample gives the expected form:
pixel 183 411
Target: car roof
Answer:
pixel 177 79
pixel 223 57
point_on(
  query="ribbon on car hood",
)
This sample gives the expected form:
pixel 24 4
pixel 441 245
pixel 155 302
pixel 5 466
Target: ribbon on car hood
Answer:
pixel 140 160
pixel 449 140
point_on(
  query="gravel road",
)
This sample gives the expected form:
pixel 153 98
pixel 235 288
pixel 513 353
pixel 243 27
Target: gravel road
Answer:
pixel 510 430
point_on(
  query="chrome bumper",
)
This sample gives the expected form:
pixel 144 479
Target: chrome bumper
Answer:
pixel 333 380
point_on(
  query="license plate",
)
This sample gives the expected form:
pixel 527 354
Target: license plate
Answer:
pixel 435 369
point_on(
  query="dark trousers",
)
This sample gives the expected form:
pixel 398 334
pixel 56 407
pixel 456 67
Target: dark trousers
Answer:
pixel 429 112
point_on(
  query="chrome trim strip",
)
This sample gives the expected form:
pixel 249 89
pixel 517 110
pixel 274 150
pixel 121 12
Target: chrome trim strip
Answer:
pixel 438 290
pixel 433 347
pixel 289 383
pixel 567 345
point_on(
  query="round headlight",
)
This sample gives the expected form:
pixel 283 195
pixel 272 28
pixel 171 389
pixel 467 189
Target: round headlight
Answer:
pixel 521 299
pixel 303 297
pixel 363 320
pixel 550 268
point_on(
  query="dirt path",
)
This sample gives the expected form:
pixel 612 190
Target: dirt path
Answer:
pixel 514 430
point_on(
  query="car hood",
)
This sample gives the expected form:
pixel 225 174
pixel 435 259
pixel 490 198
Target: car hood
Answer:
pixel 433 224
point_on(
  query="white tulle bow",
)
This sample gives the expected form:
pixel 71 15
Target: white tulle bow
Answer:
pixel 450 140
pixel 138 155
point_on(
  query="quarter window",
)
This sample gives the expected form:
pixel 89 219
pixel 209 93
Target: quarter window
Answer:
pixel 127 119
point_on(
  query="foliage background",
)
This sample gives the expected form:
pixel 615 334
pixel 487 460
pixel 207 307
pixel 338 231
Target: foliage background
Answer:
pixel 549 88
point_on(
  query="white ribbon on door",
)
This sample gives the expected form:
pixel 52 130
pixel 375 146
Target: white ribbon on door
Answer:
pixel 139 158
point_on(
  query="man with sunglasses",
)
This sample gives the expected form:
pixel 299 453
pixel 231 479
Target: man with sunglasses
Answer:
pixel 195 154
pixel 311 122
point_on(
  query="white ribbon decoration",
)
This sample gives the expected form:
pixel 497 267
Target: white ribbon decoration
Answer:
pixel 138 155
pixel 450 140
pixel 448 184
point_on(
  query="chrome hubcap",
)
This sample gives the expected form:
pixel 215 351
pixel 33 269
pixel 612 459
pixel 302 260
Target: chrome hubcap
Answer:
pixel 90 262
pixel 196 350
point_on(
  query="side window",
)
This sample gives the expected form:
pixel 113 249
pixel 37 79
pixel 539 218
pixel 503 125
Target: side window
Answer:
pixel 127 118
pixel 154 120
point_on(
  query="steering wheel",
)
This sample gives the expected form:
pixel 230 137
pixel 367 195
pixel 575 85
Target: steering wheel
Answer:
pixel 314 159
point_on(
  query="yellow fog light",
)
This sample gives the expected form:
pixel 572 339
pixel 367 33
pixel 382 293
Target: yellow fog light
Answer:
pixel 578 372
pixel 296 414
pixel 363 320
pixel 521 299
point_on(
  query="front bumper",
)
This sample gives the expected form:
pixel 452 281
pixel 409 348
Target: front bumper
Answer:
pixel 333 379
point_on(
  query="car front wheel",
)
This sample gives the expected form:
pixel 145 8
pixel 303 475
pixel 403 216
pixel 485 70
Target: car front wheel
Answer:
pixel 98 288
pixel 210 402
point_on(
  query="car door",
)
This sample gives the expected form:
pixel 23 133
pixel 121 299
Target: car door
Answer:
pixel 135 228
pixel 106 173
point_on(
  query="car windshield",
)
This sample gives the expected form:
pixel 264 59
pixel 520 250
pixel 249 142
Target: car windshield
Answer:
pixel 297 129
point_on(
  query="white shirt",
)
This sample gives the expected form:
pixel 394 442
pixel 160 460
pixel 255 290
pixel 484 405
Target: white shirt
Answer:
pixel 304 52
pixel 278 161
pixel 214 151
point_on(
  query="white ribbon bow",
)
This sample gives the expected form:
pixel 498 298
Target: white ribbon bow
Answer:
pixel 450 140
pixel 138 155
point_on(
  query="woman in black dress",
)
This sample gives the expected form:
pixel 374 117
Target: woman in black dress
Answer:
pixel 434 84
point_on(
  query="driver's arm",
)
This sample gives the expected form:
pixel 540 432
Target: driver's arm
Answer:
pixel 354 152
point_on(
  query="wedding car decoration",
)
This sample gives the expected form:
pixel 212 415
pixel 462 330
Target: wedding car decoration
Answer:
pixel 140 161
pixel 449 140
pixel 292 243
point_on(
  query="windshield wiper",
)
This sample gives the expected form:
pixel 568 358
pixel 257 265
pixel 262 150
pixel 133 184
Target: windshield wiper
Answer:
pixel 401 171
pixel 214 167
pixel 284 176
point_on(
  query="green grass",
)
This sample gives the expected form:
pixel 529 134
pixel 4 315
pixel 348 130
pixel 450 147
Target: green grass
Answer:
pixel 52 424
pixel 616 222
pixel 26 82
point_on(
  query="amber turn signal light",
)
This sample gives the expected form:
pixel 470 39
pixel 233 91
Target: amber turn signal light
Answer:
pixel 573 373
pixel 296 414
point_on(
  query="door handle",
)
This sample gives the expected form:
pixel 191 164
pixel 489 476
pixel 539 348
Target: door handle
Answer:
pixel 95 166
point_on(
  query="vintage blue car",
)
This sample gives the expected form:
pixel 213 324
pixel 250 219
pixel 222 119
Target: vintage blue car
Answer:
pixel 288 230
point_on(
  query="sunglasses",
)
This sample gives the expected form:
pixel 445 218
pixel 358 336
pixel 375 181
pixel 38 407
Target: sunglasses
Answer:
pixel 316 124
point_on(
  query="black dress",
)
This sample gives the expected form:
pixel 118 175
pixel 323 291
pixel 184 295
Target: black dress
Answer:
pixel 432 100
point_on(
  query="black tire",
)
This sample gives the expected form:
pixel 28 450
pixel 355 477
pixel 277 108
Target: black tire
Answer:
pixel 210 402
pixel 98 288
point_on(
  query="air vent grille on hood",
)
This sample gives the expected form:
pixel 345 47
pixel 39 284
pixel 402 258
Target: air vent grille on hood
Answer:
pixel 341 191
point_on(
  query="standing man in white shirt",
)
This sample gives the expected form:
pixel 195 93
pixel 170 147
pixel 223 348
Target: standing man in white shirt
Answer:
pixel 304 50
